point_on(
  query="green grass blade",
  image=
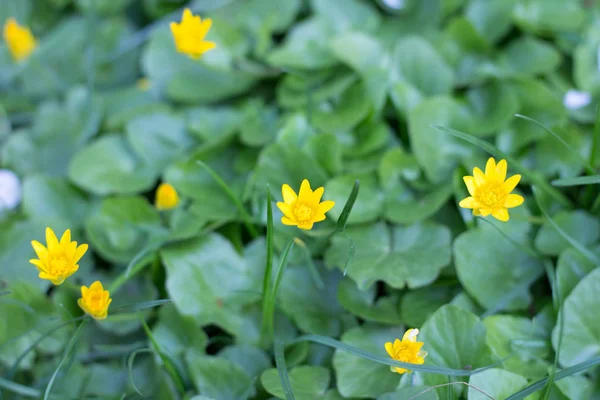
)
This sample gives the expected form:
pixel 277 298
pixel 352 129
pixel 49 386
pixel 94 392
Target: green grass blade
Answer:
pixel 166 362
pixel 311 265
pixel 130 361
pixel 577 181
pixel 587 165
pixel 343 219
pixel 282 370
pixel 595 138
pixel 556 300
pixel 576 245
pixel 19 389
pixel 534 387
pixel 324 340
pixel 140 305
pixel 268 326
pixel 267 278
pixel 66 353
pixel 493 150
pixel 246 218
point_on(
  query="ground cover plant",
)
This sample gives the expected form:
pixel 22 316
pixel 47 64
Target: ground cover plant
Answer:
pixel 299 199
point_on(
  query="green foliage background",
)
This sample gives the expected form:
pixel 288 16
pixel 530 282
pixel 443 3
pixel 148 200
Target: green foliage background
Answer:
pixel 329 90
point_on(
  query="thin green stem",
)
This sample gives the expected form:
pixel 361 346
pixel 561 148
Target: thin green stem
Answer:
pixel 595 138
pixel 246 218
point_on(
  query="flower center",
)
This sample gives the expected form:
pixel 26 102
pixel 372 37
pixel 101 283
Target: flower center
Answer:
pixel 303 213
pixel 95 301
pixel 404 353
pixel 490 196
pixel 57 266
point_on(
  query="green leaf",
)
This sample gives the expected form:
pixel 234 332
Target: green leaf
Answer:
pixel 195 272
pixel 581 326
pixel 491 18
pixel 580 180
pixel 408 392
pixel 213 124
pixel 369 203
pixel 345 112
pixel 47 197
pixel 530 56
pixel 400 256
pixel 416 306
pixel 496 383
pixel 493 106
pixel 437 152
pixel 252 359
pixel 219 378
pixel 314 310
pixel 572 267
pixel 454 338
pixel 158 138
pixel 375 379
pixel 418 63
pixel 122 227
pixel 522 344
pixel 495 271
pixel 405 206
pixel 307 382
pixel 541 16
pixel 578 224
pixel 363 303
pixel 175 333
pixel 108 165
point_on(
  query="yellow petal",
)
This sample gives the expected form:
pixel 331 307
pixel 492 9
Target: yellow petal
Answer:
pixel 174 28
pixel 490 168
pixel 476 212
pixel 389 347
pixel 79 252
pixel 288 194
pixel 286 209
pixel 288 221
pixel 66 238
pixel 187 16
pixel 40 249
pixel 500 214
pixel 96 286
pixel 469 202
pixel 319 217
pixel 325 206
pixel 410 335
pixel 40 265
pixel 305 193
pixel 51 240
pixel 479 176
pixel 501 170
pixel 205 46
pixel 485 211
pixel 401 370
pixel 204 27
pixel 306 226
pixel 317 194
pixel 470 182
pixel 57 280
pixel 511 183
pixel 513 200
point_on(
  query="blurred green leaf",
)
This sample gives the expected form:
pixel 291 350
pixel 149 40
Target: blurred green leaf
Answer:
pixel 308 382
pixel 580 225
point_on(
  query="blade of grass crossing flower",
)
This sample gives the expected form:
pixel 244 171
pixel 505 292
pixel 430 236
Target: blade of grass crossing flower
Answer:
pixel 141 305
pixel 576 245
pixel 534 387
pixel 245 216
pixel 587 165
pixel 282 370
pixel 66 353
pixel 266 289
pixel 19 389
pixel 165 361
pixel 577 181
pixel 327 341
pixel 130 361
pixel 561 198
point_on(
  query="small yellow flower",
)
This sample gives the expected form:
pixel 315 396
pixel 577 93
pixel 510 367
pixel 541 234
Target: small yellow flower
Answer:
pixel 19 39
pixel 490 192
pixel 406 350
pixel 95 300
pixel 59 260
pixel 304 209
pixel 166 197
pixel 143 84
pixel 189 34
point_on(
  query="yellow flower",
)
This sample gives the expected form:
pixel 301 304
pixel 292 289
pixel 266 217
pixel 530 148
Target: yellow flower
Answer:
pixel 304 209
pixel 95 300
pixel 490 192
pixel 19 39
pixel 189 34
pixel 59 261
pixel 166 197
pixel 406 350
